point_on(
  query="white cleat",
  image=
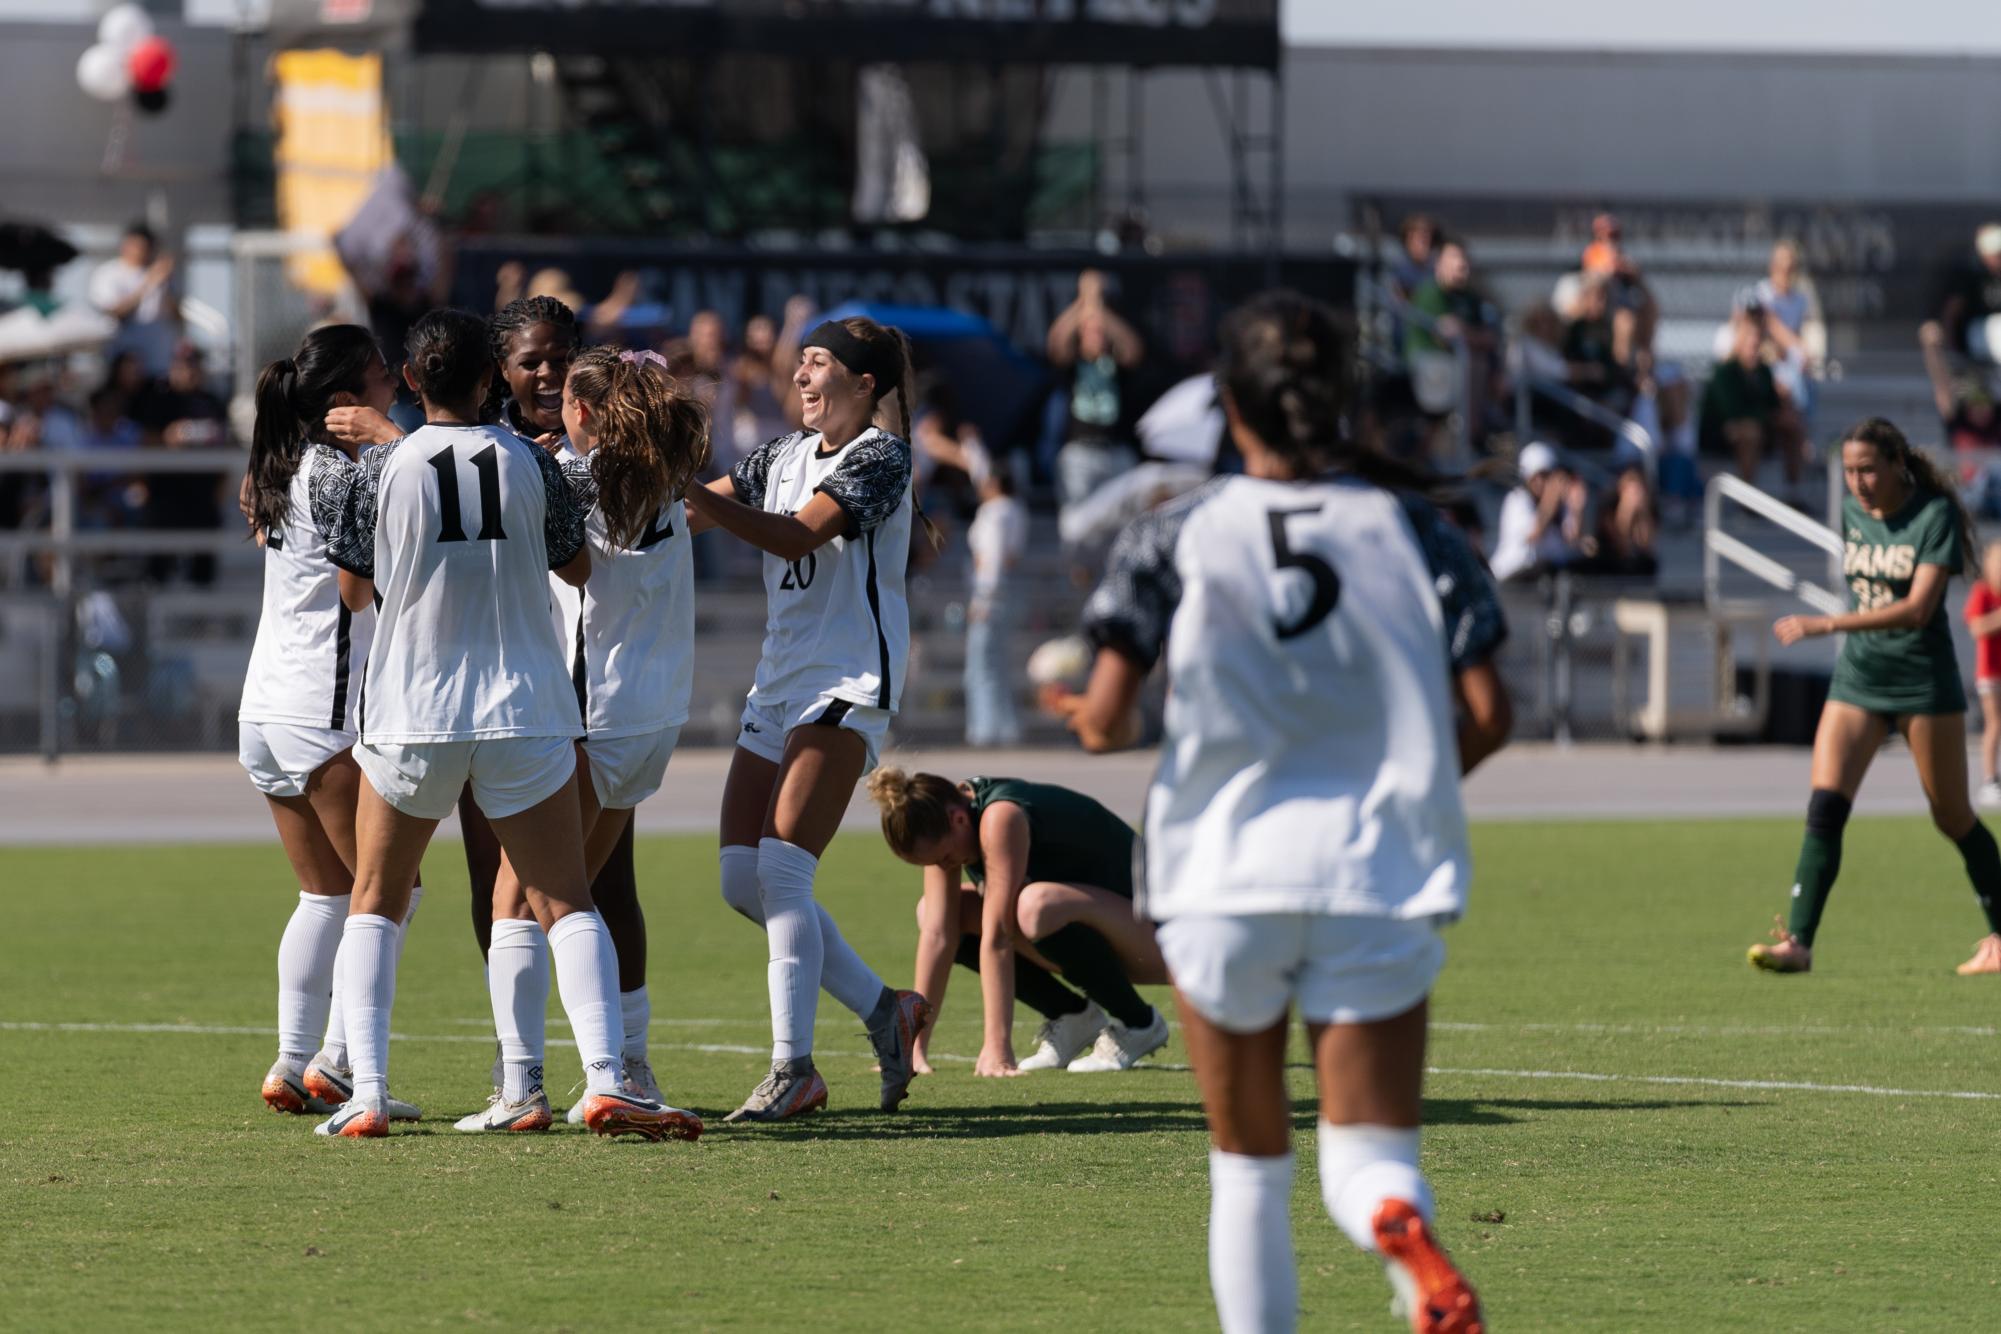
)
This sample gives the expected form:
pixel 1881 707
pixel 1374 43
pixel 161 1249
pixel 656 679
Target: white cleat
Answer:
pixel 530 1114
pixel 1121 1048
pixel 358 1118
pixel 331 1086
pixel 1063 1039
pixel 1990 794
pixel 639 1078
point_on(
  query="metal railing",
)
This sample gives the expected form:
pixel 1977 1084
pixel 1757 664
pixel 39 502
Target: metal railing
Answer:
pixel 1719 547
pixel 1527 386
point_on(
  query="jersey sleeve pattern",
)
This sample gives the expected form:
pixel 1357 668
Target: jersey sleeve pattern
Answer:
pixel 750 473
pixel 583 482
pixel 1134 603
pixel 1475 625
pixel 351 509
pixel 870 480
pixel 329 479
pixel 567 508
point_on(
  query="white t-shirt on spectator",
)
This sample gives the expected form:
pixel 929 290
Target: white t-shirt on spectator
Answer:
pixel 1515 551
pixel 997 538
pixel 146 330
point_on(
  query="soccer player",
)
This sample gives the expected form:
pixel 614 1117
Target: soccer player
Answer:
pixel 637 442
pixel 1983 622
pixel 458 526
pixel 831 509
pixel 1052 871
pixel 1905 535
pixel 299 713
pixel 1305 838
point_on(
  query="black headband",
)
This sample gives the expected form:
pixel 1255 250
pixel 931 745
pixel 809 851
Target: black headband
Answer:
pixel 883 361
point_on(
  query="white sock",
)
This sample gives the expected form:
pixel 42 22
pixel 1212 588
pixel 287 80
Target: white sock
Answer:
pixel 1360 1167
pixel 1251 1269
pixel 636 1011
pixel 843 974
pixel 365 972
pixel 334 1044
pixel 587 977
pixel 306 972
pixel 517 979
pixel 797 952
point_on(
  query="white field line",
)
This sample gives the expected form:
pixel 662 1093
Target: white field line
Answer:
pixel 1727 1030
pixel 738 1049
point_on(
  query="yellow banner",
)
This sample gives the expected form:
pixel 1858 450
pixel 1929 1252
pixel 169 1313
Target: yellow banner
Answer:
pixel 333 140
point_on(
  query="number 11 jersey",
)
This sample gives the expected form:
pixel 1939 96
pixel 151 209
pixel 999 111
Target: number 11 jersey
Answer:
pixel 459 527
pixel 1310 762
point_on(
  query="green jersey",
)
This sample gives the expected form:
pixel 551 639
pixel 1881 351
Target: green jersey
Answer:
pixel 1899 672
pixel 1072 839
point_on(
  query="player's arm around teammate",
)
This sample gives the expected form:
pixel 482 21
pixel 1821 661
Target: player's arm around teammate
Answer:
pixel 1905 535
pixel 830 507
pixel 300 706
pixel 1053 871
pixel 1305 832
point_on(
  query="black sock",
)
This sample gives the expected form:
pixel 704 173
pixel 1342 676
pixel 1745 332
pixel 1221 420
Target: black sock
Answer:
pixel 1090 964
pixel 1983 868
pixel 1037 988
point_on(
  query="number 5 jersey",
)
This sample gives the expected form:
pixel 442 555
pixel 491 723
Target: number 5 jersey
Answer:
pixel 1311 629
pixel 459 527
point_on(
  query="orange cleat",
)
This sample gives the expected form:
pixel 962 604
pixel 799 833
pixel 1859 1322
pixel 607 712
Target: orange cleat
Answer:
pixel 1986 959
pixel 286 1092
pixel 623 1113
pixel 361 1118
pixel 1430 1288
pixel 1784 953
pixel 783 1095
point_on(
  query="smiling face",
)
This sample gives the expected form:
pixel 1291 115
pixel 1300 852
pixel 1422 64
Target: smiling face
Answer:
pixel 830 395
pixel 377 391
pixel 537 363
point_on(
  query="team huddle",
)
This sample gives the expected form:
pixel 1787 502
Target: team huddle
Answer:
pixel 494 613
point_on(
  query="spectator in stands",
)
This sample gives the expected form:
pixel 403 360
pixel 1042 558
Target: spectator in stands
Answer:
pixel 1542 519
pixel 1632 312
pixel 1591 347
pixel 998 538
pixel 180 411
pixel 104 499
pixel 1793 325
pixel 756 405
pixel 1411 268
pixel 1744 412
pixel 134 290
pixel 1457 312
pixel 1970 419
pixel 1099 351
pixel 1971 310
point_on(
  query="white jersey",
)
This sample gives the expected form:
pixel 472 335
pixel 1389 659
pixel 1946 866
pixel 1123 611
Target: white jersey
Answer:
pixel 837 622
pixel 305 668
pixel 459 527
pixel 1310 761
pixel 629 635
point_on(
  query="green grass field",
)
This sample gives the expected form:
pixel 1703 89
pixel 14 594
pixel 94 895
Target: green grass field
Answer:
pixel 1602 1155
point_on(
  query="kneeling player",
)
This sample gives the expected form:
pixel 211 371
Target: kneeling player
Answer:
pixel 1053 890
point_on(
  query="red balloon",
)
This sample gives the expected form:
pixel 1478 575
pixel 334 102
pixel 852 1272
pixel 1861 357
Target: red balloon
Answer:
pixel 151 64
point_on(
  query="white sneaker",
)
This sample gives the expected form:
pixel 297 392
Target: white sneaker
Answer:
pixel 1063 1039
pixel 1990 793
pixel 531 1113
pixel 1121 1048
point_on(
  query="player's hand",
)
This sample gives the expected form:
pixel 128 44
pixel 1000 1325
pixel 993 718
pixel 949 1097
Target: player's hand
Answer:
pixel 361 427
pixel 553 441
pixel 1792 629
pixel 996 1063
pixel 1931 334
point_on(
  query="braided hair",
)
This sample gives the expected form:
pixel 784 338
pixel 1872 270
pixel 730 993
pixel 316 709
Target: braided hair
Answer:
pixel 521 313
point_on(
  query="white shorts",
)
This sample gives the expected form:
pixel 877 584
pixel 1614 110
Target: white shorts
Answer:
pixel 509 774
pixel 765 726
pixel 626 770
pixel 281 757
pixel 1241 973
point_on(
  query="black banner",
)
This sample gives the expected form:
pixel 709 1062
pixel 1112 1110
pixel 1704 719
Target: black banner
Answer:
pixel 1042 32
pixel 1174 301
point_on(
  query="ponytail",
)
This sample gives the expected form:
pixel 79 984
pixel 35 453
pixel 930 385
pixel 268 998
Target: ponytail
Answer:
pixel 932 532
pixel 916 808
pixel 293 395
pixel 1926 478
pixel 651 438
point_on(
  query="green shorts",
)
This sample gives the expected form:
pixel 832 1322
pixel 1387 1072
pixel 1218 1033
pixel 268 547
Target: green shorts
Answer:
pixel 1941 694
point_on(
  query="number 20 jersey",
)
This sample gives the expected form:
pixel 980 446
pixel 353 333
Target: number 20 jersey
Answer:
pixel 459 527
pixel 1310 762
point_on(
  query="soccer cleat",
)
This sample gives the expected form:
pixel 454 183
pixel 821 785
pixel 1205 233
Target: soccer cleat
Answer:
pixel 285 1091
pixel 1986 959
pixel 1784 953
pixel 783 1095
pixel 531 1113
pixel 358 1118
pixel 1431 1292
pixel 330 1086
pixel 894 1042
pixel 1990 793
pixel 1063 1039
pixel 620 1113
pixel 1121 1048
pixel 639 1078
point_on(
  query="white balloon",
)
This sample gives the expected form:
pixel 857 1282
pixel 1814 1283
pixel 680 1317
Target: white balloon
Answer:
pixel 124 27
pixel 101 72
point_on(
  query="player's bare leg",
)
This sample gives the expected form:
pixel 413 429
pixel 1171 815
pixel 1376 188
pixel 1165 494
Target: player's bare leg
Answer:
pixel 1938 746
